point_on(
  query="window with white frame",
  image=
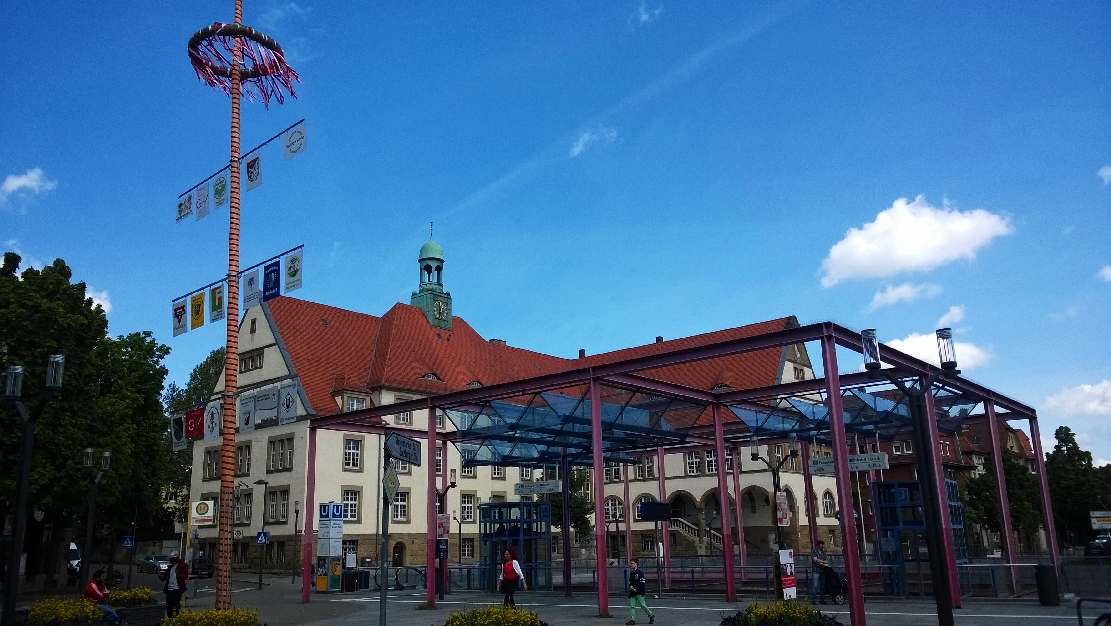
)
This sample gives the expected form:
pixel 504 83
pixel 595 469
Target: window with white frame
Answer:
pixel 613 509
pixel 646 467
pixel 404 417
pixel 729 459
pixel 351 504
pixel 400 507
pixel 466 548
pixel 647 544
pixel 272 506
pixel 352 454
pixel 283 505
pixel 612 472
pixel 466 507
pixel 439 418
pixel 212 464
pixel 641 500
pixel 243 459
pixel 711 462
pixel 497 471
pixel 355 403
pixel 439 460
pixel 467 471
pixel 829 505
pixel 241 508
pixel 401 467
pixel 280 451
pixel 694 464
pixel 526 473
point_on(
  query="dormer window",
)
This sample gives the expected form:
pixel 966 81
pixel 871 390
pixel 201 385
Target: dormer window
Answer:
pixel 432 376
pixel 474 384
pixel 720 387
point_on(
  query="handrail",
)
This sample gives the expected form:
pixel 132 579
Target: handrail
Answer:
pixel 685 526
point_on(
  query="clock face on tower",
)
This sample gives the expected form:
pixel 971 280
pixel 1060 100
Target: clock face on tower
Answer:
pixel 440 310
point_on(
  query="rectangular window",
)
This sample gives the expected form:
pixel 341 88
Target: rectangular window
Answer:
pixel 526 473
pixel 281 551
pixel 467 471
pixel 401 507
pixel 355 404
pixel 646 468
pixel 466 507
pixel 711 461
pixel 250 361
pixel 351 504
pixel 243 459
pixel 352 454
pixel 403 417
pixel 729 459
pixel 497 471
pixel 283 505
pixel 467 547
pixel 212 464
pixel 401 467
pixel 439 460
pixel 350 546
pixel 907 449
pixel 439 419
pixel 694 464
pixel 647 544
pixel 281 454
pixel 241 508
pixel 612 472
pixel 800 374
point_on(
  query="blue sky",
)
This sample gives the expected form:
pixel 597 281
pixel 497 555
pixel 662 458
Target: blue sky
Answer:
pixel 602 173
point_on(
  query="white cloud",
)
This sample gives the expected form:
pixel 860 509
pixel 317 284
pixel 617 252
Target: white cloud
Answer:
pixel 25 260
pixel 99 297
pixel 909 237
pixel 905 292
pixel 271 19
pixel 1082 401
pixel 30 183
pixel 952 316
pixel 1105 173
pixel 969 356
pixel 644 15
pixel 1105 273
pixel 590 137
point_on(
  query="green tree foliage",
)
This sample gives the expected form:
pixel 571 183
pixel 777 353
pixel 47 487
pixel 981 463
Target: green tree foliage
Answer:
pixel 1076 486
pixel 178 400
pixel 581 506
pixel 110 401
pixel 1023 494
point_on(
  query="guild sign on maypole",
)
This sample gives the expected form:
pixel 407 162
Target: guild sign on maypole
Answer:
pixel 237 60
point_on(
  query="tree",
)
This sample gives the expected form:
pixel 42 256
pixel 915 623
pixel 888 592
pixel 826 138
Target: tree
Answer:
pixel 581 505
pixel 177 400
pixel 1076 487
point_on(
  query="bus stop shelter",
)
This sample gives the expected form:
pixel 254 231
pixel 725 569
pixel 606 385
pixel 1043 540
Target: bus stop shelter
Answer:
pixel 620 411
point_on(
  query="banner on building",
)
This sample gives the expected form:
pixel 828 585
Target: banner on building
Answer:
pixel 293 267
pixel 219 190
pixel 271 280
pixel 216 303
pixel 287 403
pixel 181 320
pixel 251 293
pixel 177 432
pixel 266 404
pixel 194 423
pixel 247 413
pixel 254 170
pixel 196 311
pixel 212 414
pixel 184 206
pixel 295 141
pixel 202 200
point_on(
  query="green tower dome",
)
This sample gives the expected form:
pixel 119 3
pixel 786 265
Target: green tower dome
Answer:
pixel 431 250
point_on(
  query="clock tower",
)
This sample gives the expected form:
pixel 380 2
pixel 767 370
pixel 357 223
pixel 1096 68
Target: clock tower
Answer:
pixel 431 297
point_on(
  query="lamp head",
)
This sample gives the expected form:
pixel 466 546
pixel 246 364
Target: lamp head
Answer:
pixel 13 384
pixel 870 350
pixel 87 458
pixel 451 484
pixel 946 351
pixel 54 366
pixel 753 448
pixel 105 460
pixel 262 482
pixel 793 445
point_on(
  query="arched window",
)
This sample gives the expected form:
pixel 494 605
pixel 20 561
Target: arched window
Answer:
pixel 750 498
pixel 642 499
pixel 613 509
pixel 829 505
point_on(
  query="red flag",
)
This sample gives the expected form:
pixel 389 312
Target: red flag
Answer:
pixel 194 423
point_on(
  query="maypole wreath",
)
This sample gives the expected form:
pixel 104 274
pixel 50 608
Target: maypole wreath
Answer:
pixel 264 73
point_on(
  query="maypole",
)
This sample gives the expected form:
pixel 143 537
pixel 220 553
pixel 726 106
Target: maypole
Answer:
pixel 257 68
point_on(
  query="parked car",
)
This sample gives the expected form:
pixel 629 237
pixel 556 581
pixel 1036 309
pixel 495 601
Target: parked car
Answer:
pixel 1100 547
pixel 201 567
pixel 154 564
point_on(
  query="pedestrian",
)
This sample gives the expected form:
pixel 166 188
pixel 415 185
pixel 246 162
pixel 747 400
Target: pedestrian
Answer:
pixel 819 561
pixel 511 575
pixel 637 587
pixel 97 591
pixel 175 576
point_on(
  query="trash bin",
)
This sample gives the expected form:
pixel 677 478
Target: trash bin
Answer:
pixel 350 579
pixel 364 579
pixel 1049 593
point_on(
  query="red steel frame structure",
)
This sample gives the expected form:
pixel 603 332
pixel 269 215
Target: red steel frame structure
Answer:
pixel 623 374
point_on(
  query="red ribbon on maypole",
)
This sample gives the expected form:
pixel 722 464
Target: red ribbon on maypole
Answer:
pixel 257 69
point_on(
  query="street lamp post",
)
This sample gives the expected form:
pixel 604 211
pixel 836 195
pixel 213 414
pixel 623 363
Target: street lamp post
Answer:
pixel 754 452
pixel 441 497
pixel 90 521
pixel 454 517
pixel 262 546
pixel 13 394
pixel 296 535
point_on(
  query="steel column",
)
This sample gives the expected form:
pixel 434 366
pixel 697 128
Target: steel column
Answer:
pixel 628 518
pixel 565 530
pixel 430 512
pixel 811 498
pixel 445 577
pixel 949 560
pixel 1002 500
pixel 310 515
pixel 1047 503
pixel 599 498
pixel 665 527
pixel 723 507
pixel 844 486
pixel 740 508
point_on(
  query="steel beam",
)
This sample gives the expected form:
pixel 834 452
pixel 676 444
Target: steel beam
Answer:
pixel 430 512
pixel 1002 500
pixel 949 557
pixel 1047 502
pixel 599 500
pixel 723 507
pixel 307 577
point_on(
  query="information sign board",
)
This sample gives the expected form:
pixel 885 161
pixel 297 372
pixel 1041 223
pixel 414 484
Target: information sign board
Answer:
pixel 262 538
pixel 443 526
pixel 403 448
pixel 787 574
pixel 782 511
pixel 202 513
pixel 1101 520
pixel 540 486
pixel 391 483
pixel 857 463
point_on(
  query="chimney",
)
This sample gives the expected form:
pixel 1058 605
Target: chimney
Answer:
pixel 659 339
pixel 582 353
pixel 498 342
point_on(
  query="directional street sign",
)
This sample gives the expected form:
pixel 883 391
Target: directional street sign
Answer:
pixel 391 483
pixel 857 463
pixel 541 486
pixel 262 538
pixel 403 448
pixel 127 541
pixel 1101 520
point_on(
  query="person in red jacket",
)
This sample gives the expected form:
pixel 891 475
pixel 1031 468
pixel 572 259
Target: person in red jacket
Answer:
pixel 97 591
pixel 175 576
pixel 511 576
